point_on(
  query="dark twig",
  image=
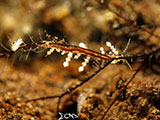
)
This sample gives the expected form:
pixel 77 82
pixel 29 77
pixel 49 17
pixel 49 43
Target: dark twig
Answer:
pixel 130 80
pixel 43 98
pixel 140 55
pixel 119 93
pixel 129 22
pixel 94 74
pixel 72 89
pixel 58 103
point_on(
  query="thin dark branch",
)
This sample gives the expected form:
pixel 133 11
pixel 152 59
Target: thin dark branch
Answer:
pixel 119 93
pixel 140 55
pixel 72 89
pixel 58 103
pixel 86 80
pixel 129 22
pixel 43 98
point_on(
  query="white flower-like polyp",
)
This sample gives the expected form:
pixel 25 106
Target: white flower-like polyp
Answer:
pixel 50 51
pixel 16 44
pixel 108 44
pixel 82 45
pixel 70 54
pixel 81 68
pixel 112 48
pixel 102 50
pixel 77 56
pixel 66 64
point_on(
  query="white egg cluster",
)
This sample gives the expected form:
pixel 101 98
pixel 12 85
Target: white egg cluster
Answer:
pixel 16 44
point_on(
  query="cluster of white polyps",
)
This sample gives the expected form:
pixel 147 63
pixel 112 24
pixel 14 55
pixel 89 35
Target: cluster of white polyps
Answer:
pixel 70 55
pixel 68 59
pixel 86 60
pixel 16 44
pixel 102 50
pixel 112 48
pixel 82 45
pixel 50 51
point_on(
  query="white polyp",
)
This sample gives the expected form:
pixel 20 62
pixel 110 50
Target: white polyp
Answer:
pixel 116 52
pixel 63 52
pixel 110 53
pixel 86 60
pixel 50 51
pixel 77 56
pixel 111 47
pixel 114 62
pixel 84 64
pixel 66 64
pixel 81 68
pixel 102 50
pixel 16 44
pixel 58 50
pixel 68 59
pixel 70 54
pixel 82 45
pixel 108 44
